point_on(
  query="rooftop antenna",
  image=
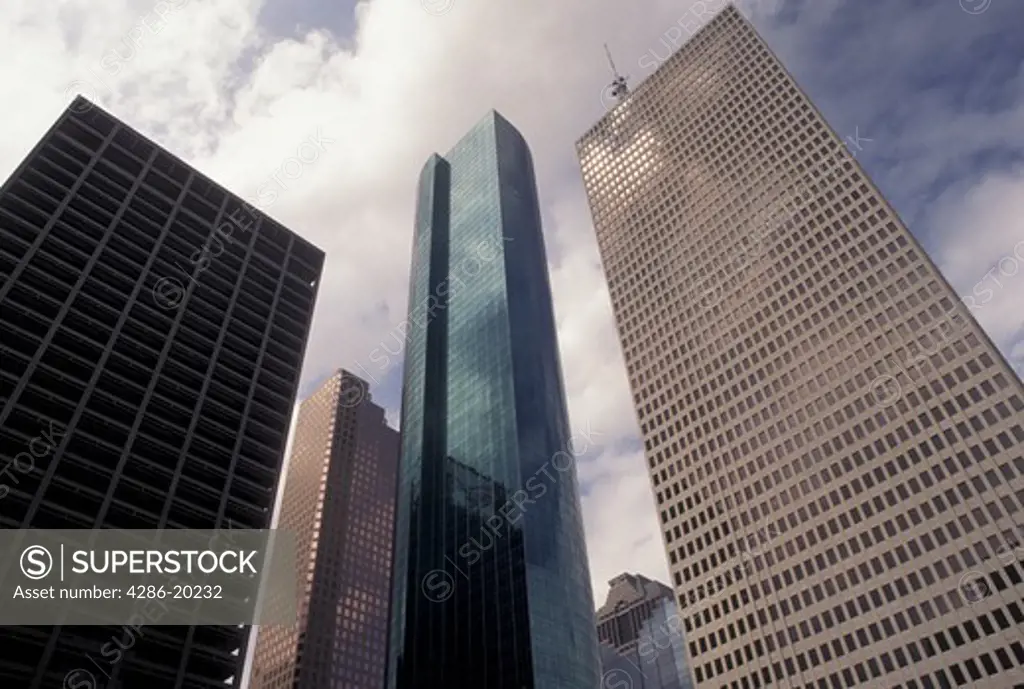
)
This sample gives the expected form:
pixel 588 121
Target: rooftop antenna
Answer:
pixel 619 90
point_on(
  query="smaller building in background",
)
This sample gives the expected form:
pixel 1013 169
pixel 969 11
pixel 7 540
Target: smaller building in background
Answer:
pixel 641 635
pixel 339 498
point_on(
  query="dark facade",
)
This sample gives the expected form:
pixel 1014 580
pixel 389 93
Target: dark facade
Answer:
pixel 161 377
pixel 491 585
pixel 643 645
pixel 339 499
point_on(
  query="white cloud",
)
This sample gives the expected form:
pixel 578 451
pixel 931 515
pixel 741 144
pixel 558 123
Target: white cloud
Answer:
pixel 210 86
pixel 1017 358
pixel 980 250
pixel 620 519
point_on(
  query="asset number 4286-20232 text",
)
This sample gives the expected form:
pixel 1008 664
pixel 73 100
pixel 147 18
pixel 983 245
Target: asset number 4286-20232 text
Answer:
pixel 177 591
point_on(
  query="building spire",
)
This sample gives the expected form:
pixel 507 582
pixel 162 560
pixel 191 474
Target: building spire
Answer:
pixel 618 87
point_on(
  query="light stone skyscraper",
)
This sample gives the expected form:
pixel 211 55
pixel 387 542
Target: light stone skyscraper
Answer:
pixel 834 445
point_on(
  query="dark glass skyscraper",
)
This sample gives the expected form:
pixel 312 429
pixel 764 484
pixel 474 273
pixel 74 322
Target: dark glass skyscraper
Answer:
pixel 153 328
pixel 491 585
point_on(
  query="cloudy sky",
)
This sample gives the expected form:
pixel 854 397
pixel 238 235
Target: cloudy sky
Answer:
pixel 932 90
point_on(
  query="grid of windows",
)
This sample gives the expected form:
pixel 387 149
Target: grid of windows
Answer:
pixel 834 445
pixel 339 502
pixel 161 413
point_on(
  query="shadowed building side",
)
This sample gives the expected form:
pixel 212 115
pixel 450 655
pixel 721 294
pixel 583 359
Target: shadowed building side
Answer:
pixel 339 502
pixel 153 327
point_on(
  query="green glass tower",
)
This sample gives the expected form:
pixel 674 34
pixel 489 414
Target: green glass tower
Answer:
pixel 491 586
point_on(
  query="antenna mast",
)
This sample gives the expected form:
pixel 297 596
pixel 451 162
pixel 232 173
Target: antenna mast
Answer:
pixel 619 90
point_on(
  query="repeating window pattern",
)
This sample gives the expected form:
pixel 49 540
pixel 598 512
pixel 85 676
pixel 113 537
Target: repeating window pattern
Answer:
pixel 339 502
pixel 167 409
pixel 834 445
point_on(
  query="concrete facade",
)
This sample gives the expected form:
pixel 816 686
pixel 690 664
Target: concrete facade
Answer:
pixel 834 445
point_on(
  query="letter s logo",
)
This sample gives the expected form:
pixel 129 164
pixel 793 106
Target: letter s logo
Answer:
pixel 36 562
pixel 616 679
pixel 438 586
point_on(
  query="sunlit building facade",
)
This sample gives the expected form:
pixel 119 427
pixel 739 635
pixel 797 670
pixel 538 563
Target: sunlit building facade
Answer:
pixel 491 586
pixel 338 501
pixel 835 447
